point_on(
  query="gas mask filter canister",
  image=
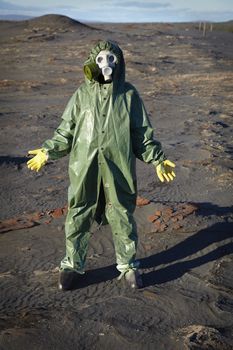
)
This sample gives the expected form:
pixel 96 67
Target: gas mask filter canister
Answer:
pixel 91 71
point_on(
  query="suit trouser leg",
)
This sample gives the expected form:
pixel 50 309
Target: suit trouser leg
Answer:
pixel 124 233
pixel 77 230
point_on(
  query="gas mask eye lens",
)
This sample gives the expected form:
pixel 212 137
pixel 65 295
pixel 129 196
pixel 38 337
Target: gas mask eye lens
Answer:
pixel 111 58
pixel 99 59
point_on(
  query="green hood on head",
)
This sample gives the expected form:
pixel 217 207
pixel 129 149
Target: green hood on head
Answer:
pixel 119 71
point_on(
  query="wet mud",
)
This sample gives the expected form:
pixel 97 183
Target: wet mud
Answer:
pixel 185 227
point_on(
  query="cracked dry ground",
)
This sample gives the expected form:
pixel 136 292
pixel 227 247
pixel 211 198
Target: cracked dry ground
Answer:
pixel 185 228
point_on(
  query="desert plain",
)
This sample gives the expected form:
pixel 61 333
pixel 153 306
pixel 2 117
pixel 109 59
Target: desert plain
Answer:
pixel 185 227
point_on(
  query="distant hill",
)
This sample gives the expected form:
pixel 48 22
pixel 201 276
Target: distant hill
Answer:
pixel 42 28
pixel 51 21
pixel 54 21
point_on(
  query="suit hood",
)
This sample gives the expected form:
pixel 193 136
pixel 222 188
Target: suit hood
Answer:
pixel 119 70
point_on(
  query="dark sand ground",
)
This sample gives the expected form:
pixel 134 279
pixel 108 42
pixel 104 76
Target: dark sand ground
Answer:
pixel 186 250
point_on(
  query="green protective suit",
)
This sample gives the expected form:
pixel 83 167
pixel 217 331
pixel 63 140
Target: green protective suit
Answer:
pixel 104 128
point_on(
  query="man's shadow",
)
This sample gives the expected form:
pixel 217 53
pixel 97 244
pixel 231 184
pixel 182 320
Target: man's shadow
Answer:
pixel 191 245
pixel 194 244
pixel 95 276
pixel 15 161
pixel 216 233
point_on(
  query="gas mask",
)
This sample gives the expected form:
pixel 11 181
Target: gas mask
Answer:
pixel 106 61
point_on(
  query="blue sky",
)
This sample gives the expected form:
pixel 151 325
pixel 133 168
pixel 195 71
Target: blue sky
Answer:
pixel 124 10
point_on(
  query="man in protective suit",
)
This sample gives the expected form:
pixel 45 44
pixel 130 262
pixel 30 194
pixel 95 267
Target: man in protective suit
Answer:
pixel 104 128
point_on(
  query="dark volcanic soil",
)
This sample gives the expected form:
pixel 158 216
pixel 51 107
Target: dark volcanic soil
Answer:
pixel 186 250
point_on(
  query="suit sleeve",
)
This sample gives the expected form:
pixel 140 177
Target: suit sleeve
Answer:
pixel 145 147
pixel 61 142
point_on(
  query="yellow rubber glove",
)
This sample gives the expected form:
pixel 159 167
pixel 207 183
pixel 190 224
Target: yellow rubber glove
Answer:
pixel 165 171
pixel 37 162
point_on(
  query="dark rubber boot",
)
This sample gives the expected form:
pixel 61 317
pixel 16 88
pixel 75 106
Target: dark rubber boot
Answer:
pixel 67 279
pixel 133 279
